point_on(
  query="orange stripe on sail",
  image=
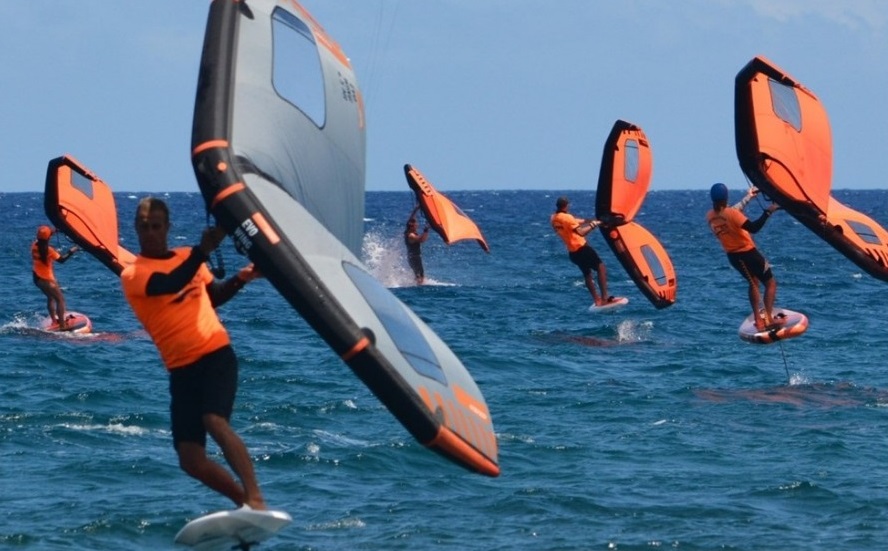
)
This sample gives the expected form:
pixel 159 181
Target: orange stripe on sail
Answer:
pixel 210 144
pixel 321 35
pixel 266 228
pixel 360 98
pixel 227 192
pixel 356 349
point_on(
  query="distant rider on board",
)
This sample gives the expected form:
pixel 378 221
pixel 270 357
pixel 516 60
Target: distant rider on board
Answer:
pixel 43 255
pixel 573 232
pixel 733 230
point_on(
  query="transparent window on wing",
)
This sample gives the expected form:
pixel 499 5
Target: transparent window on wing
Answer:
pixel 630 161
pixel 82 183
pixel 298 76
pixel 786 104
pixel 650 255
pixel 864 232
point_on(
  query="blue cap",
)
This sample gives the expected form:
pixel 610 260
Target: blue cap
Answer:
pixel 718 192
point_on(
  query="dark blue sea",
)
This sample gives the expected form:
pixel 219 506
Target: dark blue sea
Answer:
pixel 629 430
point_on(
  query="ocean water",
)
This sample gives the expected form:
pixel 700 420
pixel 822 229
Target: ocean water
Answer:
pixel 629 430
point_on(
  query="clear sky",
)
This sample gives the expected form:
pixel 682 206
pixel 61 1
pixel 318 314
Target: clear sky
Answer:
pixel 478 94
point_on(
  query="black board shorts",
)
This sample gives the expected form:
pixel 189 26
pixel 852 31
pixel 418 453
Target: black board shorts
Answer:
pixel 586 259
pixel 209 385
pixel 415 262
pixel 751 264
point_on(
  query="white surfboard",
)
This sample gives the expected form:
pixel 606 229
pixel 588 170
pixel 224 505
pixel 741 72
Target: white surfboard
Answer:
pixel 237 529
pixel 787 324
pixel 617 302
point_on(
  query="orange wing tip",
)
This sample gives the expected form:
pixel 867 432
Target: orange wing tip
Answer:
pixel 451 445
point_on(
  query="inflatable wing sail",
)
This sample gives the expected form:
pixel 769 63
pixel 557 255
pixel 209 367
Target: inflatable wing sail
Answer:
pixel 82 206
pixel 443 215
pixel 784 147
pixel 279 155
pixel 623 182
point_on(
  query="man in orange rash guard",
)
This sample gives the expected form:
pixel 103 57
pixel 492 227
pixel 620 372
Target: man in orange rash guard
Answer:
pixel 573 232
pixel 174 295
pixel 733 230
pixel 43 256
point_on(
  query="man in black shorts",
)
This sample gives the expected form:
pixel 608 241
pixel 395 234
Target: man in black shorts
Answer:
pixel 174 295
pixel 733 230
pixel 573 232
pixel 414 240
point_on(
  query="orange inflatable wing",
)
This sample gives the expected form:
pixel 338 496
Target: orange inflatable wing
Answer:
pixel 625 175
pixel 82 206
pixel 447 219
pixel 784 147
pixel 645 260
pixel 623 182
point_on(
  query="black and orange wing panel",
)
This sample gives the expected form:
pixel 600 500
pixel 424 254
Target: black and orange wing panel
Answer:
pixel 623 182
pixel 784 147
pixel 82 206
pixel 625 175
pixel 645 260
pixel 442 214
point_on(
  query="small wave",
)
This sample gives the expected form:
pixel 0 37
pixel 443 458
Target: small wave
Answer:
pixel 435 283
pixel 634 331
pixel 338 524
pixel 509 437
pixel 820 395
pixel 111 428
pixel 385 258
pixel 338 439
pixel 19 321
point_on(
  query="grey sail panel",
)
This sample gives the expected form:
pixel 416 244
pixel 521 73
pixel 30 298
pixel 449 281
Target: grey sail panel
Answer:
pixel 280 161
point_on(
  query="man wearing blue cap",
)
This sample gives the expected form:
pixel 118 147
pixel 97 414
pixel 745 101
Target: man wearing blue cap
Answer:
pixel 733 230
